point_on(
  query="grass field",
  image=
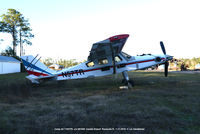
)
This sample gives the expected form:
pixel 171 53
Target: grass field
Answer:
pixel 158 104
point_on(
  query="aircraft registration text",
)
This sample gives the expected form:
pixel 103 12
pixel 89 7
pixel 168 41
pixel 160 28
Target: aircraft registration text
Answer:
pixel 71 73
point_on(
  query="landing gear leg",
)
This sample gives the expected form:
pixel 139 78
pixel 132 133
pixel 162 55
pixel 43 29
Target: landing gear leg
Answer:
pixel 127 81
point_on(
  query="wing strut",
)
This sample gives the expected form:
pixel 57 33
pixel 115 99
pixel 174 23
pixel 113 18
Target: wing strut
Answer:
pixel 113 59
pixel 32 61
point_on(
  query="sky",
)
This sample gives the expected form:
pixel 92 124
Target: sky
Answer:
pixel 68 28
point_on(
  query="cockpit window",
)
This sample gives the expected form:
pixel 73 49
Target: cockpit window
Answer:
pixel 117 59
pixel 126 55
pixel 90 64
pixel 103 61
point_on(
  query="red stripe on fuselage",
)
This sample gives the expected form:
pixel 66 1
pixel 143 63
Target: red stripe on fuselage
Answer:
pixel 139 62
pixel 110 66
pixel 36 73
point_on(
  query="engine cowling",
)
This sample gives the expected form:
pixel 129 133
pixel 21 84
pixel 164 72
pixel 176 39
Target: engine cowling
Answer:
pixel 158 59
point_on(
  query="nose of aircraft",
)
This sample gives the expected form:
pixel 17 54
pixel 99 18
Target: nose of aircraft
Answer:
pixel 169 57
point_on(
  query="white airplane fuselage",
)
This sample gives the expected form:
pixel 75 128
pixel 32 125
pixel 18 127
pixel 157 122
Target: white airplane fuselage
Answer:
pixel 124 64
pixel 105 58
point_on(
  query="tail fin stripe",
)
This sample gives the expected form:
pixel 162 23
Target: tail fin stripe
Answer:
pixel 36 73
pixel 34 67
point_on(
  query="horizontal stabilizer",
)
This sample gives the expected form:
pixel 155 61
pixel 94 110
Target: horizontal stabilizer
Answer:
pixel 35 67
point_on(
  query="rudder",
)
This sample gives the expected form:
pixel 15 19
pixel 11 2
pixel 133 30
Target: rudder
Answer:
pixel 35 67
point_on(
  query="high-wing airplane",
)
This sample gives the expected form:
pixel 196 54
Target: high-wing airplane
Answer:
pixel 105 58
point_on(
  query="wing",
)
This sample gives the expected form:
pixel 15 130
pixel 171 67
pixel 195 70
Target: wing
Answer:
pixel 108 47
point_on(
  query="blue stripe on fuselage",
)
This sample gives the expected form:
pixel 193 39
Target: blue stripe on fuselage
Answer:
pixel 34 67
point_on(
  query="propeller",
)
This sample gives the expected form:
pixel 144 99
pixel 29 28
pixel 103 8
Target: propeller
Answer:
pixel 166 68
pixel 163 47
pixel 166 62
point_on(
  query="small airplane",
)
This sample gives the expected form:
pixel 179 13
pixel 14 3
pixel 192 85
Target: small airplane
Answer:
pixel 105 58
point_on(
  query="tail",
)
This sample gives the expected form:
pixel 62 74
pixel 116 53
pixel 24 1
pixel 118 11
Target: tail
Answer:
pixel 34 67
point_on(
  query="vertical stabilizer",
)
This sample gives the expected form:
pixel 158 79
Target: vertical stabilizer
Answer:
pixel 35 67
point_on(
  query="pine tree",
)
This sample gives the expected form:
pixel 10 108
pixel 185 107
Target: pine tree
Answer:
pixel 14 23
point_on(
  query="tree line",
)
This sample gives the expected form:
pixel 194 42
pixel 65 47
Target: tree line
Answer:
pixel 188 63
pixel 63 62
pixel 14 23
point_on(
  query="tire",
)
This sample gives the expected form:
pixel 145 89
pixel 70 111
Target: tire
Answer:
pixel 126 82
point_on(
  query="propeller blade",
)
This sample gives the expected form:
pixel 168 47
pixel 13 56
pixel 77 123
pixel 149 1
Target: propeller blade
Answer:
pixel 163 47
pixel 166 68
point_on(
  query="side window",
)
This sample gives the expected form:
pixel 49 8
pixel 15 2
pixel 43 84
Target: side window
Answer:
pixel 90 64
pixel 103 61
pixel 117 59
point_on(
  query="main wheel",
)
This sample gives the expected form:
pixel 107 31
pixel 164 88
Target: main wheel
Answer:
pixel 125 82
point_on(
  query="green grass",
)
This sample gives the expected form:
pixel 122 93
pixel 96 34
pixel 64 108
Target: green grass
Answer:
pixel 158 104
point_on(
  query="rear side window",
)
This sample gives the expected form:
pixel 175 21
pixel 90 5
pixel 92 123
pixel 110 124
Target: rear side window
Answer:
pixel 90 64
pixel 103 61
